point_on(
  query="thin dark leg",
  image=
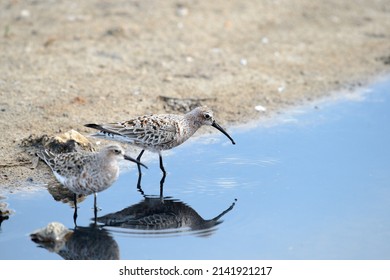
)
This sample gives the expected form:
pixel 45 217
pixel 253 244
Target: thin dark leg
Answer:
pixel 139 159
pixel 95 209
pixel 162 165
pixel 139 170
pixel 162 181
pixel 75 209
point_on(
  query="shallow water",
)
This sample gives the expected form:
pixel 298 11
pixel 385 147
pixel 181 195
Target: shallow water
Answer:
pixel 313 183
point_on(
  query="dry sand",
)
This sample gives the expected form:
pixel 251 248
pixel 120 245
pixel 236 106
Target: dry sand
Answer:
pixel 63 64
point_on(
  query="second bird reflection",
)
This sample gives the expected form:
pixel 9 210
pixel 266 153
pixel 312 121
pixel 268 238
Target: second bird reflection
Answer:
pixel 80 243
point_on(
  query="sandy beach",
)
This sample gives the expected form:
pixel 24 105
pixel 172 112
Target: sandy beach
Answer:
pixel 64 64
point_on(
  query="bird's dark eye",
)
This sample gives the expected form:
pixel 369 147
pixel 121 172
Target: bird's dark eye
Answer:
pixel 118 152
pixel 207 116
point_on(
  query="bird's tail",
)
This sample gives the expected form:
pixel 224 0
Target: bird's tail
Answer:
pixel 108 133
pixel 46 155
pixel 95 126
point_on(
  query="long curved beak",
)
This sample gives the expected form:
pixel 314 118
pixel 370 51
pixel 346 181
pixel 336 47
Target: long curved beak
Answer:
pixel 217 126
pixel 134 160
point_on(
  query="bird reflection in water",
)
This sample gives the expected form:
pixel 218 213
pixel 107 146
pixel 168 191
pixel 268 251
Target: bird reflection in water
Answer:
pixel 157 214
pixel 81 243
pixel 64 195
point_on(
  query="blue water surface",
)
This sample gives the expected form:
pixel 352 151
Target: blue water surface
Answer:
pixel 313 183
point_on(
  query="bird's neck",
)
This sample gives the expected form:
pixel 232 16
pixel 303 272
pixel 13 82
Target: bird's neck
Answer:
pixel 110 168
pixel 191 125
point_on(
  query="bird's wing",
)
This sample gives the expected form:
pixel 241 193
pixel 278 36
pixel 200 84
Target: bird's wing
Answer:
pixel 65 165
pixel 146 130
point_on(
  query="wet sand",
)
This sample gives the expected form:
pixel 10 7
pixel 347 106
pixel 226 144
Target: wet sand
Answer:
pixel 66 64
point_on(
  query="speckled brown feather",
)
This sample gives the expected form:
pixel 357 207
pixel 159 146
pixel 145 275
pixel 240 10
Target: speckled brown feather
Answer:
pixel 85 173
pixel 156 132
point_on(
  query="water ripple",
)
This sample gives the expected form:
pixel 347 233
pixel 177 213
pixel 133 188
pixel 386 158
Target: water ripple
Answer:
pixel 263 162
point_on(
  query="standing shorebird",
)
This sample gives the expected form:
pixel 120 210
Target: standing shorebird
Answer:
pixel 86 173
pixel 158 132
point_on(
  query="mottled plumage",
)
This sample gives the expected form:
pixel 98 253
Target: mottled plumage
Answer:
pixel 86 173
pixel 158 132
